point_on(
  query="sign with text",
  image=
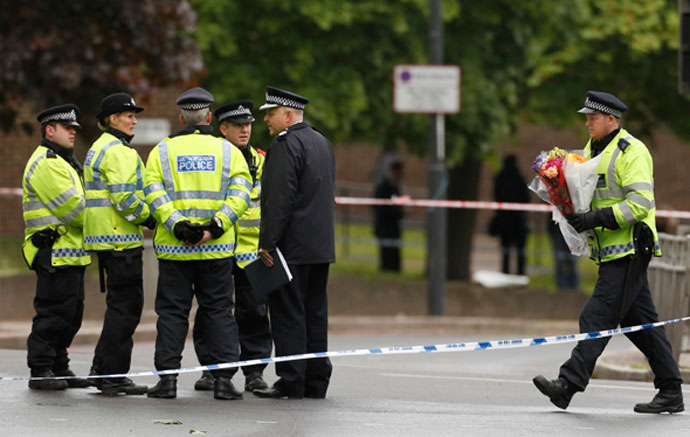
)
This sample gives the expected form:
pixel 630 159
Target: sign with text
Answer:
pixel 426 89
pixel 150 131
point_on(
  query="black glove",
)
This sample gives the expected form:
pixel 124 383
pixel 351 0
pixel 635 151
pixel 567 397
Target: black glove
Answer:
pixel 599 217
pixel 188 232
pixel 150 222
pixel 215 227
pixel 44 239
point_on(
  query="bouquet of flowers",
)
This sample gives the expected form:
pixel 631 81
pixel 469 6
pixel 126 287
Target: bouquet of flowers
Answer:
pixel 567 181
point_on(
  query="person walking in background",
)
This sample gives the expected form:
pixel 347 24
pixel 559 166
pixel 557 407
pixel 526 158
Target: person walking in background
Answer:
pixel 298 217
pixel 511 226
pixel 625 239
pixel 567 275
pixel 387 218
pixel 53 205
pixel 115 213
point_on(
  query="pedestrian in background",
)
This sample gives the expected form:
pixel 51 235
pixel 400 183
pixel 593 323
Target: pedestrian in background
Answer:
pixel 511 226
pixel 387 218
pixel 565 263
pixel 252 317
pixel 116 211
pixel 625 239
pixel 197 186
pixel 53 205
pixel 297 216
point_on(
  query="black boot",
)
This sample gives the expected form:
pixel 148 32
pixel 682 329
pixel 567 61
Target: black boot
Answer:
pixel 48 384
pixel 668 400
pixel 559 391
pixel 165 389
pixel 74 382
pixel 205 383
pixel 254 381
pixel 224 389
pixel 115 386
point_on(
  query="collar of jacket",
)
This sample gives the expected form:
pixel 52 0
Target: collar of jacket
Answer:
pixel 126 139
pixel 293 127
pixel 599 145
pixel 66 153
pixel 203 129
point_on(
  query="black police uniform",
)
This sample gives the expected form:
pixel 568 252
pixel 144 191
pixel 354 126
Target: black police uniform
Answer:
pixel 252 317
pixel 297 209
pixel 387 225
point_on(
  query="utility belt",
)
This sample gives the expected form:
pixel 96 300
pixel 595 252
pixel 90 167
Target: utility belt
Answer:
pixel 44 239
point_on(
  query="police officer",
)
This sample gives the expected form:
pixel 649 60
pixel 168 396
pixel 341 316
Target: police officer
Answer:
pixel 252 317
pixel 115 213
pixel 297 209
pixel 625 238
pixel 197 186
pixel 53 204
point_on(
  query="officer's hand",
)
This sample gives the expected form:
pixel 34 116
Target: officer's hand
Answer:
pixel 206 236
pixel 43 239
pixel 582 222
pixel 150 222
pixel 188 232
pixel 265 257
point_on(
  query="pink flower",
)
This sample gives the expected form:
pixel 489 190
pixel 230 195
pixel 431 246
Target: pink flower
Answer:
pixel 551 172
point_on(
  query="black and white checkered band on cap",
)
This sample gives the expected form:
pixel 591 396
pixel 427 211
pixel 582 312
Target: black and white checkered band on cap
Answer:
pixel 194 99
pixel 276 97
pixel 600 107
pixel 194 106
pixel 283 101
pixel 234 113
pixel 60 116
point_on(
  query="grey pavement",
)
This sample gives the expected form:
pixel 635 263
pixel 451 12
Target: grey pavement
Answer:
pixel 484 393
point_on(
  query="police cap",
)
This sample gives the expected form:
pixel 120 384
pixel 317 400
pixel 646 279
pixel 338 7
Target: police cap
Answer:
pixel 599 101
pixel 276 97
pixel 116 103
pixel 64 114
pixel 194 99
pixel 237 112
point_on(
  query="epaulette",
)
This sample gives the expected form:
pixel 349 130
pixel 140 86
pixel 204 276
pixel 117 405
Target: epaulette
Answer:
pixel 260 152
pixel 51 154
pixel 623 144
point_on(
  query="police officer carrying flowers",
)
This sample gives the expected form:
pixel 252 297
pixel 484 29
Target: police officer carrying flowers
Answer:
pixel 53 205
pixel 115 213
pixel 197 186
pixel 252 317
pixel 624 240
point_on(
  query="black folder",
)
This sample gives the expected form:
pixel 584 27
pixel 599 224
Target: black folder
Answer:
pixel 264 279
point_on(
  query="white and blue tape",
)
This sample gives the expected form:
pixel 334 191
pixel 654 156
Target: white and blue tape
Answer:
pixel 450 347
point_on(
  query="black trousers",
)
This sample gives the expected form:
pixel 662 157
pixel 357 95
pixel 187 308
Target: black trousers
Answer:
pixel 299 321
pixel 603 311
pixel 178 283
pixel 389 258
pixel 518 240
pixel 252 323
pixel 59 305
pixel 125 301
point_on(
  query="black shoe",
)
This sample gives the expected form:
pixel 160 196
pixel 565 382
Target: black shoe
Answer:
pixel 224 389
pixel 667 400
pixel 254 381
pixel 205 383
pixel 47 384
pixel 165 389
pixel 558 390
pixel 271 393
pixel 115 386
pixel 75 382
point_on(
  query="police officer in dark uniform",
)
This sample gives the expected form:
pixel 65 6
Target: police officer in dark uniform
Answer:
pixel 297 208
pixel 623 221
pixel 252 317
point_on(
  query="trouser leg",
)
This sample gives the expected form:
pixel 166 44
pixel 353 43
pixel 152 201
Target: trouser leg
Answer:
pixel 125 302
pixel 173 302
pixel 213 290
pixel 602 311
pixel 252 322
pixel 318 371
pixel 286 306
pixel 59 305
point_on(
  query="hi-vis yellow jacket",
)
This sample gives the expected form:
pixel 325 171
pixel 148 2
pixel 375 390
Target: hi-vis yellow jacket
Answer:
pixel 248 227
pixel 626 184
pixel 196 177
pixel 53 198
pixel 115 205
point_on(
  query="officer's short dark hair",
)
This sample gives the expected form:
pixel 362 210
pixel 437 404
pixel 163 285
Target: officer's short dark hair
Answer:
pixel 43 128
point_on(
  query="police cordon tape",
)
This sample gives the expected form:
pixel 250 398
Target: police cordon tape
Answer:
pixel 428 203
pixel 395 350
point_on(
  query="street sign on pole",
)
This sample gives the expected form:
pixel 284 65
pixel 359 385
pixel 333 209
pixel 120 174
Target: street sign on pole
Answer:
pixel 426 89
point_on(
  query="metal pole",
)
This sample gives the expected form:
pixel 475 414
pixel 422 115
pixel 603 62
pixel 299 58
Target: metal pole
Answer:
pixel 436 240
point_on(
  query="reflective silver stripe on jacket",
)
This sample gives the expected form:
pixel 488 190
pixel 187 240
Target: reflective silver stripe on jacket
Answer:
pixel 255 203
pixel 241 194
pixel 197 194
pixel 75 211
pixel 160 202
pixel 96 185
pixel 42 221
pixel 33 205
pixel 31 171
pixel 129 201
pixel 614 190
pixel 225 209
pixel 95 203
pixel 63 198
pixel 199 213
pixel 239 180
pixel 165 167
pixel 254 223
pixel 227 161
pixel 156 186
pixel 170 222
pixel 122 188
pixel 96 167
